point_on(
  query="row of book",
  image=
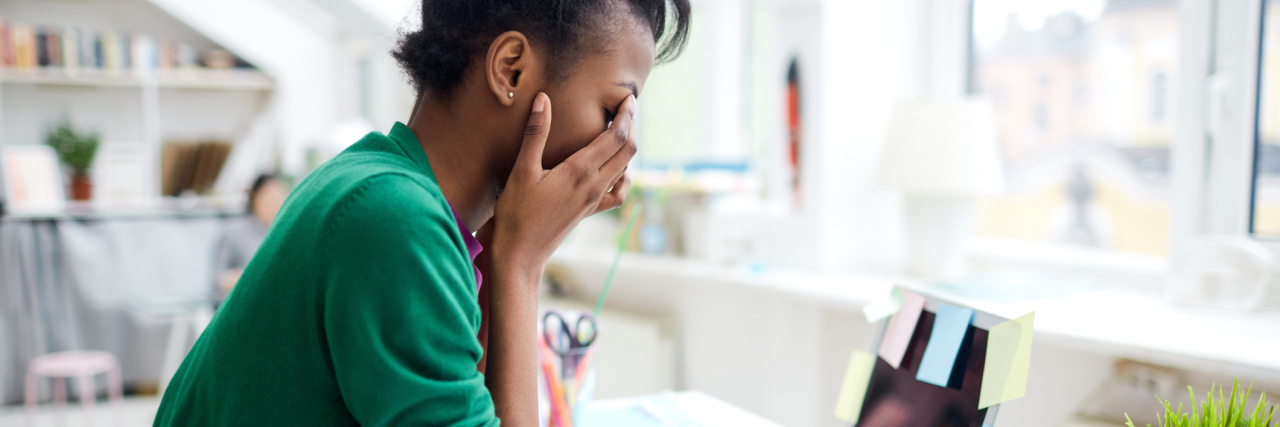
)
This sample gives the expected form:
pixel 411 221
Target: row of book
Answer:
pixel 191 166
pixel 27 46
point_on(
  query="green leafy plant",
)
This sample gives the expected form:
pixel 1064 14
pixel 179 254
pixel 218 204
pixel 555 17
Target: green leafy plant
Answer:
pixel 1219 411
pixel 75 149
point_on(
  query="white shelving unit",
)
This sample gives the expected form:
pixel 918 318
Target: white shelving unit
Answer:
pixel 150 85
pixel 197 78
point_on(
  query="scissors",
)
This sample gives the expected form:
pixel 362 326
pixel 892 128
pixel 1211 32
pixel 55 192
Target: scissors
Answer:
pixel 568 341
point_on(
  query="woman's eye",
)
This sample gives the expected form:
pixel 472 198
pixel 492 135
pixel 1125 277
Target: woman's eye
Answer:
pixel 608 118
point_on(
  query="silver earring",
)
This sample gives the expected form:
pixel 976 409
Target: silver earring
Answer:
pixel 511 94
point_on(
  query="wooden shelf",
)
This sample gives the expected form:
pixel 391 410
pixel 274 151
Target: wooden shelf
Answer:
pixel 197 78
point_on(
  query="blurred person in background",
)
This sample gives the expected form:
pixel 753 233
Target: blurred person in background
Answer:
pixel 245 234
pixel 370 301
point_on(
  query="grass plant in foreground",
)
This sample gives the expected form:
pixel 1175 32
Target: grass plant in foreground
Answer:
pixel 1219 411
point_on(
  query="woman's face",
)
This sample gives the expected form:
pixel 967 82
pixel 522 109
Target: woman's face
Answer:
pixel 267 201
pixel 584 104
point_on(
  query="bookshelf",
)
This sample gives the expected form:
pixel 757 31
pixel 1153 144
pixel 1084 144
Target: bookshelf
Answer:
pixel 137 90
pixel 147 87
pixel 194 79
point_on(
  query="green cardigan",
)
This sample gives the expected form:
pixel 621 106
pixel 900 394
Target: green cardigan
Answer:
pixel 359 308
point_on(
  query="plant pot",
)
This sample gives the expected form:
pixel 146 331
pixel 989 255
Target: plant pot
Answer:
pixel 81 187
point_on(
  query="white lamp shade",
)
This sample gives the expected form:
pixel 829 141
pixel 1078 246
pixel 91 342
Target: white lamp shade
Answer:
pixel 943 147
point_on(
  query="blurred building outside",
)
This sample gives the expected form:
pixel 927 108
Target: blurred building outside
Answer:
pixel 1085 117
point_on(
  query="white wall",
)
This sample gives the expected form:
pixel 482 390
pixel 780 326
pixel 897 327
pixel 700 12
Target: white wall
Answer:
pixel 871 59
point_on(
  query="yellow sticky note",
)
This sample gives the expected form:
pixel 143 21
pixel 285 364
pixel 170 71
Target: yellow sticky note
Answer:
pixel 856 378
pixel 1004 376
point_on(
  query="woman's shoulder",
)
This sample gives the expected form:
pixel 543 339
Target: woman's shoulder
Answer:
pixel 380 176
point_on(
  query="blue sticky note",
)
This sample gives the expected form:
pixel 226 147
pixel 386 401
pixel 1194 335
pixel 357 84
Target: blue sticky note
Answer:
pixel 949 327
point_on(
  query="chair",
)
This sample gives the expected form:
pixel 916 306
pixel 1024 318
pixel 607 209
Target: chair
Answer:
pixel 80 364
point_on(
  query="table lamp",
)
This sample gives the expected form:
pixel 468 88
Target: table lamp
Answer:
pixel 942 155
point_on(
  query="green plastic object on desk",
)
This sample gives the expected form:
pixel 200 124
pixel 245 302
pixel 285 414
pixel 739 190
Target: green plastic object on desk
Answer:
pixel 622 245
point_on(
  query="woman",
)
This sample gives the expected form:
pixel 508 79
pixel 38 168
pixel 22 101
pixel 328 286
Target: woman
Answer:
pixel 361 306
pixel 244 235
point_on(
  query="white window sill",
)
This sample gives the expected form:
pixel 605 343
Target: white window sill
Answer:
pixel 1113 268
pixel 1112 321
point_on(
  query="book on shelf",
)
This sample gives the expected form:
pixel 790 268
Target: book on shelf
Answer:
pixel 6 43
pixel 191 166
pixel 99 51
pixel 42 48
pixel 53 43
pixel 70 49
pixel 25 46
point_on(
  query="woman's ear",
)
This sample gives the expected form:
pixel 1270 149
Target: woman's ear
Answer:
pixel 507 67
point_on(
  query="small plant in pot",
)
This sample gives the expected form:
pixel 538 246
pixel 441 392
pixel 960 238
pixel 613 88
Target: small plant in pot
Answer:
pixel 76 150
pixel 1217 411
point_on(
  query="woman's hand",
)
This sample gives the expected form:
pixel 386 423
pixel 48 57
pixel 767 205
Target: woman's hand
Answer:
pixel 536 211
pixel 539 207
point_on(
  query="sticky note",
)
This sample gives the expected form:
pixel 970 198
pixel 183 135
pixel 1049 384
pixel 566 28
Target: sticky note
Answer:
pixel 949 327
pixel 879 310
pixel 897 334
pixel 856 378
pixel 1004 376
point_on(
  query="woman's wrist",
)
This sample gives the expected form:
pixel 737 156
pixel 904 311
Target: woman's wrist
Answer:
pixel 515 267
pixel 515 257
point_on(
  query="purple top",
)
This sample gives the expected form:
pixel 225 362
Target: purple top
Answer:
pixel 473 245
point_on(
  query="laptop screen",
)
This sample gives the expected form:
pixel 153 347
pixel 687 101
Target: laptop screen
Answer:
pixel 895 398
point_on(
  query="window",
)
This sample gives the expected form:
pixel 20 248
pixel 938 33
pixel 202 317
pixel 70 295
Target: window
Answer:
pixel 1083 94
pixel 1266 189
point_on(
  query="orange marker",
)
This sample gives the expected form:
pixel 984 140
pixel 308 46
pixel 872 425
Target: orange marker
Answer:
pixel 559 409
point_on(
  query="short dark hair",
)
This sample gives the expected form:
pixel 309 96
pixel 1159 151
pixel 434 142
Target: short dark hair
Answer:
pixel 456 31
pixel 258 183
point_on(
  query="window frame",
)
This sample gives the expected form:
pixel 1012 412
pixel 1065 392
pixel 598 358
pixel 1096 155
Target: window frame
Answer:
pixel 1231 91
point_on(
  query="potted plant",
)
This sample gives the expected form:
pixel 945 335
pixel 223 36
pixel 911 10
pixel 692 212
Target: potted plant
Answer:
pixel 1219 411
pixel 76 150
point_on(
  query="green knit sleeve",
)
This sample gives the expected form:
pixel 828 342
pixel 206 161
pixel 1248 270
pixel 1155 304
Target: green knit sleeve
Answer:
pixel 399 309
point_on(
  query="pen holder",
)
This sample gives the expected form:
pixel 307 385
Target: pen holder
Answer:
pixel 564 396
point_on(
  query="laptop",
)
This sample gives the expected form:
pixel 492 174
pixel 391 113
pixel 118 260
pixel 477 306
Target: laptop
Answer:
pixel 895 398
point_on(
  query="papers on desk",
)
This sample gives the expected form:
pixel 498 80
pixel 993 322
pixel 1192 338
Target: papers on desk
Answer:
pixel 684 409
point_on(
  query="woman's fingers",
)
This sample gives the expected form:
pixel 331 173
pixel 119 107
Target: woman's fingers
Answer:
pixel 617 164
pixel 535 134
pixel 614 198
pixel 591 158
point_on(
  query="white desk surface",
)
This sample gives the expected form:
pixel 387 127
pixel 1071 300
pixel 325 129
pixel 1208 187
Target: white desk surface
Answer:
pixel 1111 322
pixel 702 409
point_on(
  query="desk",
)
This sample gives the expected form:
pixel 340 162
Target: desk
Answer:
pixel 698 410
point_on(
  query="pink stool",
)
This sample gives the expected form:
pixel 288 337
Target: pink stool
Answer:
pixel 83 365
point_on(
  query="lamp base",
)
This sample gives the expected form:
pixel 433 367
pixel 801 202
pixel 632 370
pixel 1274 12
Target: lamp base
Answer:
pixel 937 229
